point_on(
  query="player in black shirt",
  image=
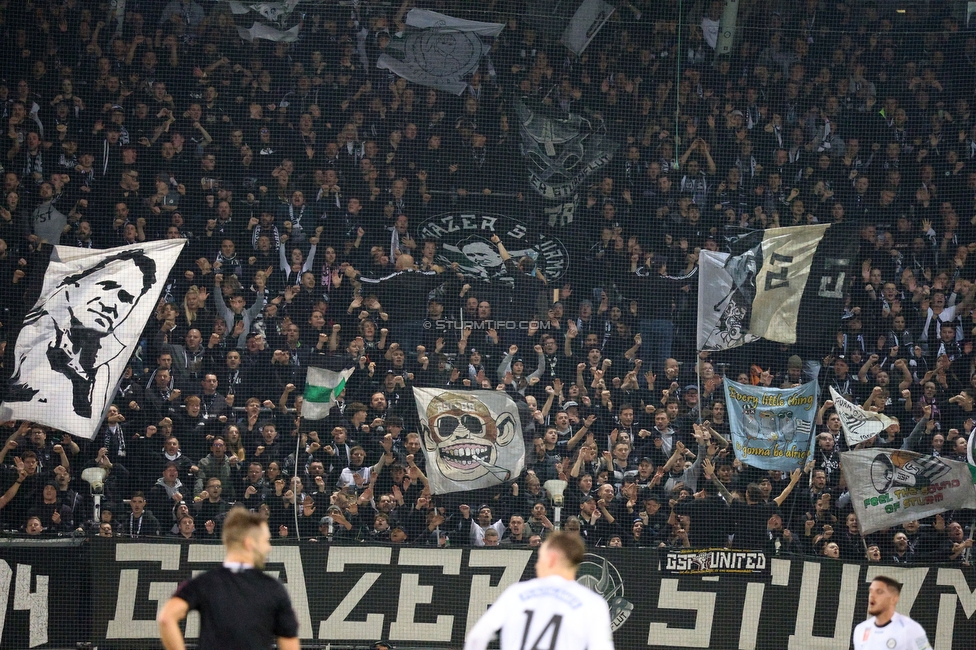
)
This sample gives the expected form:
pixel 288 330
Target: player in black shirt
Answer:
pixel 240 607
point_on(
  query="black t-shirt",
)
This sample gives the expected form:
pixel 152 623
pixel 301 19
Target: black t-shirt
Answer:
pixel 709 521
pixel 239 610
pixel 752 520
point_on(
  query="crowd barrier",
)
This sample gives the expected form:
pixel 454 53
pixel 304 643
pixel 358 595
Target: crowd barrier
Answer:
pixel 59 593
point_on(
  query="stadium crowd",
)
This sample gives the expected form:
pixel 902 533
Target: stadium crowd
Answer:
pixel 299 174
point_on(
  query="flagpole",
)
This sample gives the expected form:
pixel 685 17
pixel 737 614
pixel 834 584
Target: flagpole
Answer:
pixel 298 442
pixel 698 369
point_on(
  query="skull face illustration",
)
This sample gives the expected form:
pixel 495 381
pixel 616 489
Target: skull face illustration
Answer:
pixel 461 429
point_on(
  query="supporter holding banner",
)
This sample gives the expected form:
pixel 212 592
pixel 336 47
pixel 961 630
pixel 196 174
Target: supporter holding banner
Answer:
pixel 472 439
pixel 889 487
pixel 77 339
pixel 859 425
pixel 772 428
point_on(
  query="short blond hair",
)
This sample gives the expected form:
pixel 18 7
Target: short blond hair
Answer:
pixel 239 524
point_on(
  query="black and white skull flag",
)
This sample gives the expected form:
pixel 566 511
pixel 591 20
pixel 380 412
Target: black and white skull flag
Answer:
pixel 79 336
pixel 472 438
pixel 560 150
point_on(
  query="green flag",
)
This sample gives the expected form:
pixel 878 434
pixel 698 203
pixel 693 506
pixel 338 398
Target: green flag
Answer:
pixel 322 388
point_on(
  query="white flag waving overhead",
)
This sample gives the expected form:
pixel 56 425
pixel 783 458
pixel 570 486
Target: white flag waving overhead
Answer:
pixel 591 16
pixel 859 425
pixel 472 439
pixel 890 487
pixel 79 336
pixel 757 290
pixel 722 317
pixel 258 30
pixel 322 389
pixel 437 50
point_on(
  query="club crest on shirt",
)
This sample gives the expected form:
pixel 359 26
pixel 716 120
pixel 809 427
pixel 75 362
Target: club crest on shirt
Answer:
pixel 599 575
pixel 891 643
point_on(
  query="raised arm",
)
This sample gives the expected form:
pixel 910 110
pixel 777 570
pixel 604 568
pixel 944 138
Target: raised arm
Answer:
pixel 794 479
pixel 587 423
pixel 914 439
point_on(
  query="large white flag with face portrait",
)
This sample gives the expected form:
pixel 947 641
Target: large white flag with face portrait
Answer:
pixel 472 438
pixel 79 336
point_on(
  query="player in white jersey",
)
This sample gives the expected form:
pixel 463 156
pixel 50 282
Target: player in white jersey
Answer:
pixel 551 612
pixel 887 629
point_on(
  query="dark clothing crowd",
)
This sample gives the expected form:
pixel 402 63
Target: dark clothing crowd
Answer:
pixel 304 179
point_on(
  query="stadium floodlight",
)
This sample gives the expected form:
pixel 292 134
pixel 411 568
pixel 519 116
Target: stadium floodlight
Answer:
pixel 555 488
pixel 95 477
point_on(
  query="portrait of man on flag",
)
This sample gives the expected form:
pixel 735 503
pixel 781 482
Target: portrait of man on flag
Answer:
pixel 77 338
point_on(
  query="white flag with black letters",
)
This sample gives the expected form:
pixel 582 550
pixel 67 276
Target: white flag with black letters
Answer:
pixel 859 425
pixel 79 336
pixel 756 291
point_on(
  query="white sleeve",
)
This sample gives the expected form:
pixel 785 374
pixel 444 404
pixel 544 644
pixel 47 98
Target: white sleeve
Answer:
pixel 601 637
pixel 490 622
pixel 918 640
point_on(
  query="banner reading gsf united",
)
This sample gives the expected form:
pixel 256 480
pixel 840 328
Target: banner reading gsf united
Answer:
pixel 472 439
pixel 772 428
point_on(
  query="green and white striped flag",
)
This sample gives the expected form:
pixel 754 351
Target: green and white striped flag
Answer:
pixel 322 387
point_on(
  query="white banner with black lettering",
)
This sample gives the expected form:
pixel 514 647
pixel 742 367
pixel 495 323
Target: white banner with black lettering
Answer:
pixel 757 290
pixel 889 487
pixel 859 425
pixel 79 336
pixel 472 438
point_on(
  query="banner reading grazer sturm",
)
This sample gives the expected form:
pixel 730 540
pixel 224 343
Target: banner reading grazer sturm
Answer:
pixel 772 428
pixel 859 425
pixel 350 595
pixel 438 51
pixel 889 487
pixel 78 338
pixel 472 439
pixel 465 238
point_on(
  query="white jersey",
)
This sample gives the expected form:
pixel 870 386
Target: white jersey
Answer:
pixel 901 633
pixel 545 614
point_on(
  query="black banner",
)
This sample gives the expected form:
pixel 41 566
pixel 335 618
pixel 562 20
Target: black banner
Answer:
pixel 422 597
pixel 44 593
pixel 714 561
